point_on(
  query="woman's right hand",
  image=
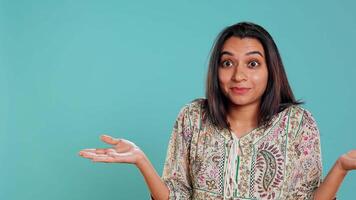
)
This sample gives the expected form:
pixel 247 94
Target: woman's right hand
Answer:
pixel 124 151
pixel 121 151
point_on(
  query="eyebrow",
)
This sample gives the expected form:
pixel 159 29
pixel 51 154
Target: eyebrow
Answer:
pixel 248 53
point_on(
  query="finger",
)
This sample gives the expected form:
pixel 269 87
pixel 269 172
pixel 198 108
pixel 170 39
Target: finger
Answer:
pixel 352 153
pixel 87 155
pixel 351 163
pixel 111 150
pixel 109 140
pixel 97 151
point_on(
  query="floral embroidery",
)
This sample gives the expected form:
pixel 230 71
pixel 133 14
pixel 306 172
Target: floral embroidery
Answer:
pixel 211 184
pixel 281 161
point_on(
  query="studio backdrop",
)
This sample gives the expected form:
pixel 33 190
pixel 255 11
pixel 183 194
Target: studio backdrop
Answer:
pixel 73 70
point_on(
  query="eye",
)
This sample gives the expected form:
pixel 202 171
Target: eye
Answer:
pixel 253 64
pixel 227 63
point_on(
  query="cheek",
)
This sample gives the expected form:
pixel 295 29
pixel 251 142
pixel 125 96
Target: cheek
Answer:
pixel 260 81
pixel 224 82
pixel 223 78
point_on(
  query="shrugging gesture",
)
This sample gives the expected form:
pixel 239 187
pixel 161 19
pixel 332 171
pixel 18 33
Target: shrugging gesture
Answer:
pixel 121 151
pixel 336 175
pixel 125 151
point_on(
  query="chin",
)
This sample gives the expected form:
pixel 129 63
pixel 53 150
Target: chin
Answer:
pixel 241 101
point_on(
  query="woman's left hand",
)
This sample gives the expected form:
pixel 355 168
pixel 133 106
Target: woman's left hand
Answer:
pixel 348 161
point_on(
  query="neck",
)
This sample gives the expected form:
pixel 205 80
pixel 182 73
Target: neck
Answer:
pixel 243 116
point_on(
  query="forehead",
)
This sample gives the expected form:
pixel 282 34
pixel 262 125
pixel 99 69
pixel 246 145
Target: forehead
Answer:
pixel 238 45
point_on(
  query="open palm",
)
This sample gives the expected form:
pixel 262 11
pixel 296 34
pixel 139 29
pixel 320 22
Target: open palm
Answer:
pixel 121 151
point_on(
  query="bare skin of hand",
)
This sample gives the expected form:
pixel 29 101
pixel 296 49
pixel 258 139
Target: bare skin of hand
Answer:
pixel 121 151
pixel 124 151
pixel 329 187
pixel 347 161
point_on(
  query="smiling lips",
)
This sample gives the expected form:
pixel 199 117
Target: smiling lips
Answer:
pixel 239 90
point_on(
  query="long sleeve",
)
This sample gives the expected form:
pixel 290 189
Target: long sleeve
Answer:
pixel 176 168
pixel 305 160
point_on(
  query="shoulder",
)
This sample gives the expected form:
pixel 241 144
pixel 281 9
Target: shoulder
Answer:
pixel 193 112
pixel 297 112
pixel 195 106
pixel 301 121
pixel 188 121
pixel 196 103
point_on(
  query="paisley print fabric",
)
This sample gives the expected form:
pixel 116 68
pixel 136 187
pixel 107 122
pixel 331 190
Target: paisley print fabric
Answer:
pixel 280 161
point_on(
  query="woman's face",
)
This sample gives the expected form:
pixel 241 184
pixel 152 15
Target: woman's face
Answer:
pixel 243 71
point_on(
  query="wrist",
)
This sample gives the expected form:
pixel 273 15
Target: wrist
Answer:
pixel 141 160
pixel 340 168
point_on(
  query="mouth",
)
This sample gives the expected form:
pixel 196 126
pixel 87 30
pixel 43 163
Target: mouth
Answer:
pixel 240 90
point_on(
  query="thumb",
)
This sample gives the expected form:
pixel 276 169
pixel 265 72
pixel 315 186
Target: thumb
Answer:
pixel 109 140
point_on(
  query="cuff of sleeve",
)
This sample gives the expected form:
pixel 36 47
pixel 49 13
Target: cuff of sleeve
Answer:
pixel 170 189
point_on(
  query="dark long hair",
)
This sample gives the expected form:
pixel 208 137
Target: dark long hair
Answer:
pixel 278 94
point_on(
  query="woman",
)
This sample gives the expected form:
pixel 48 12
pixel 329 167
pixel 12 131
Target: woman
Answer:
pixel 249 139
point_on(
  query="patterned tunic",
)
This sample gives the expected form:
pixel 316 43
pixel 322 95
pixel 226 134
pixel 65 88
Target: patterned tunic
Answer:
pixel 280 161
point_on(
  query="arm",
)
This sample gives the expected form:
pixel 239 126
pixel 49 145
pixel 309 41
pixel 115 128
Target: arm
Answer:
pixel 157 187
pixel 176 171
pixel 175 182
pixel 304 166
pixel 124 151
pixel 332 182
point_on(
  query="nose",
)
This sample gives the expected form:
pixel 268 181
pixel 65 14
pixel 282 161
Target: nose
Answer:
pixel 239 75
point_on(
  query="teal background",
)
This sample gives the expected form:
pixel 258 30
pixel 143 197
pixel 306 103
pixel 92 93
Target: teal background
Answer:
pixel 72 70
